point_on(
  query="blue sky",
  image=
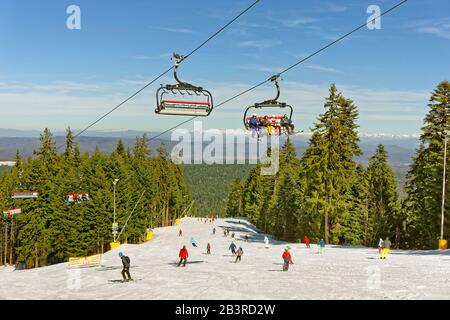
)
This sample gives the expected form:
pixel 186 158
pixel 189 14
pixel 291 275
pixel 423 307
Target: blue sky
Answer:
pixel 54 77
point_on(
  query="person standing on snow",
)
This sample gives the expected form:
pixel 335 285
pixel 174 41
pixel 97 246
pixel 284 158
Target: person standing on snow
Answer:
pixel 126 266
pixel 180 233
pixel 208 248
pixel 266 242
pixel 321 245
pixel 183 256
pixel 386 249
pixel 193 242
pixel 380 246
pixel 239 254
pixel 232 248
pixel 224 233
pixel 287 259
pixel 307 241
pixel 214 230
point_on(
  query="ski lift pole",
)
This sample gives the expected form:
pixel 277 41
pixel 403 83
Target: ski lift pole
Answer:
pixel 188 208
pixel 132 211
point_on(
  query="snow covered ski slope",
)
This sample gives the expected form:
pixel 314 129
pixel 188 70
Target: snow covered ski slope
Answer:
pixel 338 273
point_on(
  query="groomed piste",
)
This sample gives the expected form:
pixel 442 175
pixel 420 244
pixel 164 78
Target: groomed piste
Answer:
pixel 338 273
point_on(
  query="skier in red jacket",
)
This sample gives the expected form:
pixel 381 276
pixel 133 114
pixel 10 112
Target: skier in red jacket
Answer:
pixel 183 256
pixel 287 259
pixel 307 241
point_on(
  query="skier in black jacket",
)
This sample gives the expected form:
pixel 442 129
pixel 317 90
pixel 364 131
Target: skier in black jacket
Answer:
pixel 126 266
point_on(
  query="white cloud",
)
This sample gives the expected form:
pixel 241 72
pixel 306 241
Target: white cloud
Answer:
pixel 175 30
pixel 437 27
pixel 334 7
pixel 440 32
pixel 293 21
pixel 259 44
pixel 321 68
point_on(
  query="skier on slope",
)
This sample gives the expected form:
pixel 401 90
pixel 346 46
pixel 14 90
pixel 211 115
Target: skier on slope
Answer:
pixel 232 247
pixel 239 254
pixel 193 242
pixel 214 230
pixel 380 246
pixel 180 233
pixel 307 241
pixel 287 259
pixel 321 245
pixel 126 266
pixel 386 249
pixel 183 256
pixel 266 242
pixel 208 248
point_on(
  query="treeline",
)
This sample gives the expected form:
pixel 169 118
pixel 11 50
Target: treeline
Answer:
pixel 49 230
pixel 326 194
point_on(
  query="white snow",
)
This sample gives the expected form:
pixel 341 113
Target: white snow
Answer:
pixel 338 273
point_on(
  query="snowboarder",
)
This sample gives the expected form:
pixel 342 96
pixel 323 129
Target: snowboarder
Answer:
pixel 183 256
pixel 287 259
pixel 126 266
pixel 386 249
pixel 307 241
pixel 232 248
pixel 180 233
pixel 214 230
pixel 321 245
pixel 193 242
pixel 208 248
pixel 380 246
pixel 239 254
pixel 266 242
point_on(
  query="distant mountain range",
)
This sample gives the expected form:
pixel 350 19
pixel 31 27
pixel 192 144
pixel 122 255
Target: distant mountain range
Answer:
pixel 401 148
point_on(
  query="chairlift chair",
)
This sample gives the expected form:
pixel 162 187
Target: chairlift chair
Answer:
pixel 195 100
pixel 274 104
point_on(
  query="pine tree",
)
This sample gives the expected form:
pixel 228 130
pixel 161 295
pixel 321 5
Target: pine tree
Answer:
pixel 329 169
pixel 383 199
pixel 422 207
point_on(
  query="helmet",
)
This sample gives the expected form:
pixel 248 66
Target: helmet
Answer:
pixel 120 254
pixel 254 115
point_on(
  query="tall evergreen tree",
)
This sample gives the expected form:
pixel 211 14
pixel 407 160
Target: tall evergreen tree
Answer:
pixel 422 206
pixel 330 168
pixel 383 200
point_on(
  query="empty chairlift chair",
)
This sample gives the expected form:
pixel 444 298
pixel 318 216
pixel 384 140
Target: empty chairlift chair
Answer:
pixel 183 99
